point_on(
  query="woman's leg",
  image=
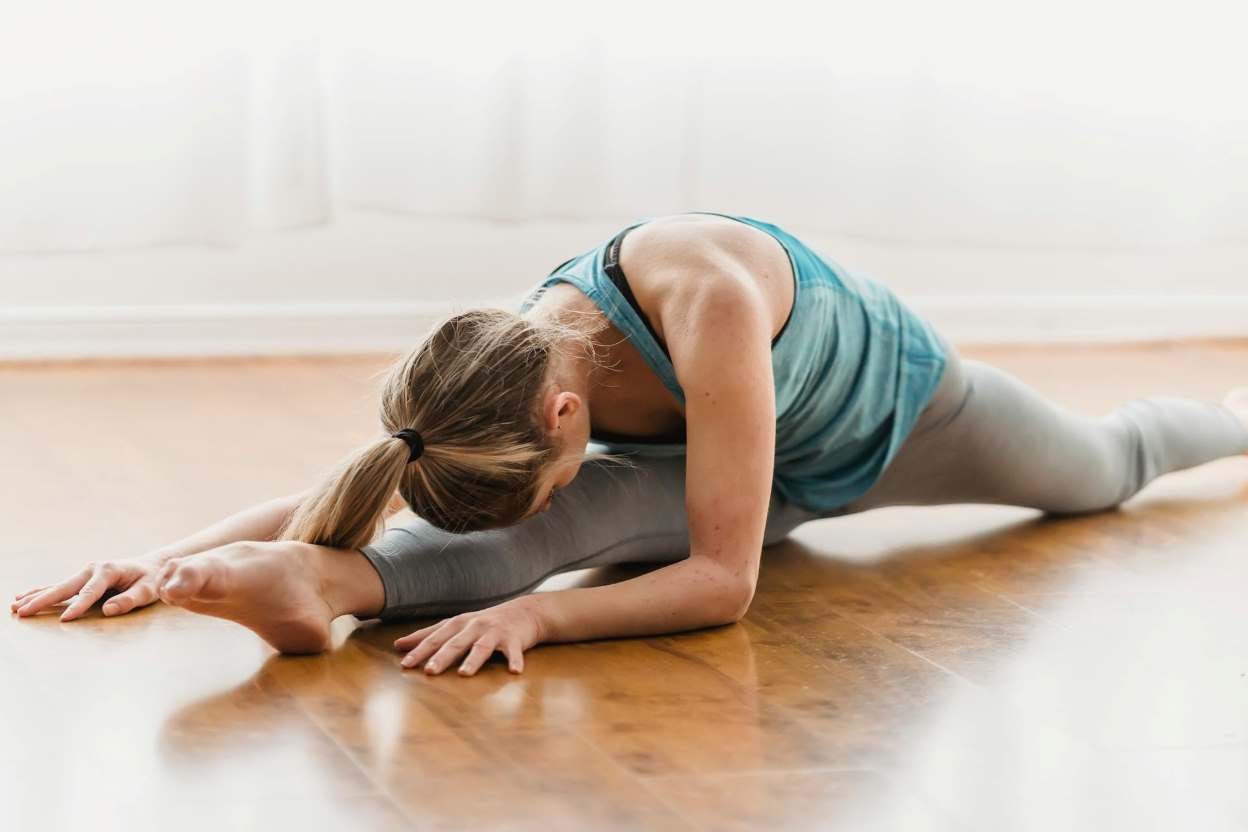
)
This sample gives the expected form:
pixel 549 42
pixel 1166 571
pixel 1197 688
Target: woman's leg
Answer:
pixel 289 592
pixel 987 437
pixel 608 514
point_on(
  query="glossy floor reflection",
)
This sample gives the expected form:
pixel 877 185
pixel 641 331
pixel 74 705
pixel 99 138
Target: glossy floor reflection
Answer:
pixel 951 668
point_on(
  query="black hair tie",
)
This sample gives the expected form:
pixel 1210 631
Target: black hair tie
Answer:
pixel 414 441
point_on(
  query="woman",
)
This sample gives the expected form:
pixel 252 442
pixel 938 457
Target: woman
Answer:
pixel 752 386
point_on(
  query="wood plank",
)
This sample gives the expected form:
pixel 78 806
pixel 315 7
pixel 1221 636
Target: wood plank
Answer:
pixel 922 668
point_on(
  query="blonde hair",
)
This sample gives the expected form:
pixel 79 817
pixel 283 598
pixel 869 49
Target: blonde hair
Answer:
pixel 472 390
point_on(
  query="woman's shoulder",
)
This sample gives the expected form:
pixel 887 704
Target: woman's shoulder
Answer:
pixel 698 255
pixel 689 240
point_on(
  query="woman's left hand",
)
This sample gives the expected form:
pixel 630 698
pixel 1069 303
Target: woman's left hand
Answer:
pixel 510 628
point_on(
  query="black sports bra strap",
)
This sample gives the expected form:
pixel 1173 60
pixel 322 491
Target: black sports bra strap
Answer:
pixel 611 265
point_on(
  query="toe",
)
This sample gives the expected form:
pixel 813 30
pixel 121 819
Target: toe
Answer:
pixel 181 582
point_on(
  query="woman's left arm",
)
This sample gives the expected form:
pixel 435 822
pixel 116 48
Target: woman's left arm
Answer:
pixel 719 337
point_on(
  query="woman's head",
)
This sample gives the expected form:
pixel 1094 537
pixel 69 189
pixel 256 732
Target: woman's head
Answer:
pixel 488 392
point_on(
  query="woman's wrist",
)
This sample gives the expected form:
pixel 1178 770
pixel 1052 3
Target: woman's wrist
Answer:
pixel 538 608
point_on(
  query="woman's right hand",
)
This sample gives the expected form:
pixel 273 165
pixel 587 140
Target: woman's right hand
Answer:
pixel 133 579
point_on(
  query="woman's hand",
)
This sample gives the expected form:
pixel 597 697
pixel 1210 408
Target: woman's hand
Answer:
pixel 134 579
pixel 510 628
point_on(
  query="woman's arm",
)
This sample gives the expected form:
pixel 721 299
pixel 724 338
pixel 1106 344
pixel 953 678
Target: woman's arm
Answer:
pixel 721 350
pixel 134 578
pixel 258 522
pixel 719 337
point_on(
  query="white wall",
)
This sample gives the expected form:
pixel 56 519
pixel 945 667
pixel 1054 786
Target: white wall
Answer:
pixel 374 281
pixel 282 176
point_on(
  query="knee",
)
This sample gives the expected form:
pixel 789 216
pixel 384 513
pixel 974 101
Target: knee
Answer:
pixel 1115 470
pixel 1096 495
pixel 1132 465
pixel 1084 508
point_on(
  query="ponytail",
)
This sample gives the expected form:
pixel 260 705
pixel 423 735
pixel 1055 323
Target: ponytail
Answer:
pixel 468 398
pixel 347 508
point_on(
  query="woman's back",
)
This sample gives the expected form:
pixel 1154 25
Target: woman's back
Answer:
pixel 853 366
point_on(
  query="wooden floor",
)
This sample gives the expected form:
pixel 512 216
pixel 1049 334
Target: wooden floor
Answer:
pixel 952 668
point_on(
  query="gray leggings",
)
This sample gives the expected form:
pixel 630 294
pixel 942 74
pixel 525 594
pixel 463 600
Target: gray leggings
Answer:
pixel 984 437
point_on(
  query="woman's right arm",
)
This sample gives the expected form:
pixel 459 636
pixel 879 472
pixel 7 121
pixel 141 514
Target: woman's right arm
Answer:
pixel 134 578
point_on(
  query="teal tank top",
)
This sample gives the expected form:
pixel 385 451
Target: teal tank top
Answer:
pixel 853 367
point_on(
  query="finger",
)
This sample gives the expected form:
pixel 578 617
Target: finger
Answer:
pixel 410 640
pixel 515 655
pixel 89 594
pixel 478 655
pixel 439 632
pixel 19 600
pixel 430 645
pixel 55 594
pixel 139 595
pixel 450 652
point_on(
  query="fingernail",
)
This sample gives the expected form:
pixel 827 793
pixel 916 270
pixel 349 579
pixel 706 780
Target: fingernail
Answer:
pixel 109 609
pixel 408 661
pixel 431 668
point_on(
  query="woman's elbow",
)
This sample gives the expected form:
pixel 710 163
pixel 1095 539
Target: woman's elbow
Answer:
pixel 732 601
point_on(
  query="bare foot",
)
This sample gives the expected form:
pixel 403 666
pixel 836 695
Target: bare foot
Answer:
pixel 1237 402
pixel 274 589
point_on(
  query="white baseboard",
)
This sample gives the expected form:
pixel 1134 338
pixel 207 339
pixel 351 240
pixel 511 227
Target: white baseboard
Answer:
pixel 32 333
pixel 1051 319
pixel 214 329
